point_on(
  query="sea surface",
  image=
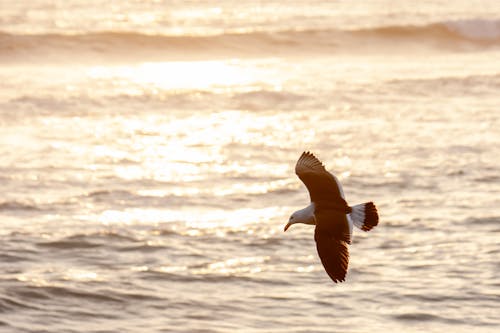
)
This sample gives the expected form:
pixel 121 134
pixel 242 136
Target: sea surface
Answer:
pixel 147 153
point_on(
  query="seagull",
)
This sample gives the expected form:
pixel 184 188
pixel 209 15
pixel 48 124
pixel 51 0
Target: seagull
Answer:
pixel 332 216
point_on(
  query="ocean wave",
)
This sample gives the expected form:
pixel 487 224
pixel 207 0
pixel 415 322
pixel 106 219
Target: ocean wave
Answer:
pixel 425 317
pixel 479 31
pixel 86 241
pixel 49 292
pixel 69 244
pixel 480 84
pixel 127 44
pixel 6 257
pixel 90 105
pixel 8 303
pixel 487 179
pixel 143 248
pixel 23 295
pixel 190 277
pixel 487 220
pixel 17 206
pixel 483 30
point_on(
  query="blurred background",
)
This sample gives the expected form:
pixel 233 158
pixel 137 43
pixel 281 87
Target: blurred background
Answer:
pixel 148 150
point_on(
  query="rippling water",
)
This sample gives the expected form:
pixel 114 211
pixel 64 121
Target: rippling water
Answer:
pixel 148 154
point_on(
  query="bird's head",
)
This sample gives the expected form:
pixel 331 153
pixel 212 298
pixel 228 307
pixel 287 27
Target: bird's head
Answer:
pixel 305 215
pixel 291 221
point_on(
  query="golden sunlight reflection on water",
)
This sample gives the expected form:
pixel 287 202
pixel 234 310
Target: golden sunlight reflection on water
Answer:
pixel 184 75
pixel 189 148
pixel 198 219
pixel 191 155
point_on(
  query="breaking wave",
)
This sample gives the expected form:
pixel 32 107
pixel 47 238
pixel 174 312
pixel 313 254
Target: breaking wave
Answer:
pixel 480 33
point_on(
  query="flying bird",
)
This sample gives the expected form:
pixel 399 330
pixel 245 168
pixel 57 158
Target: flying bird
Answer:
pixel 332 216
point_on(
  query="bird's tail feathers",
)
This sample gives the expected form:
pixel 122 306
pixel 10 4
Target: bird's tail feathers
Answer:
pixel 364 216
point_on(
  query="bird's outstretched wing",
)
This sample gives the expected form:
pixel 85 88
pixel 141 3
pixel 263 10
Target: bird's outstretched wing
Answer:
pixel 321 184
pixel 333 253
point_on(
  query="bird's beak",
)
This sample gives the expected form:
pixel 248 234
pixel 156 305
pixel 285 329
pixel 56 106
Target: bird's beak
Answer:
pixel 287 226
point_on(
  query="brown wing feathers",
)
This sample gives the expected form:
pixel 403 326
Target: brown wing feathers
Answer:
pixel 307 163
pixel 332 231
pixel 333 253
pixel 321 185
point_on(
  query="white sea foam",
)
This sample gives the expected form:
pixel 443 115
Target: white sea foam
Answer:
pixel 476 29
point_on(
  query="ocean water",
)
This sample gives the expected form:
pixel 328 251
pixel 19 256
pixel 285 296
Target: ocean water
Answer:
pixel 147 164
